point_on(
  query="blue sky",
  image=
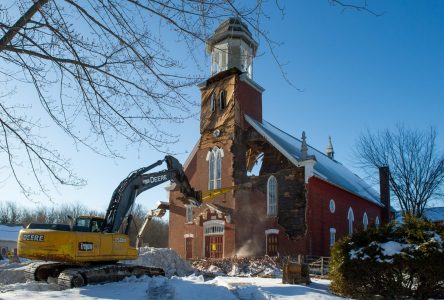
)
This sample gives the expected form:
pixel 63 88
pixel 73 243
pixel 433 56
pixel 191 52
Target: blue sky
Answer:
pixel 356 72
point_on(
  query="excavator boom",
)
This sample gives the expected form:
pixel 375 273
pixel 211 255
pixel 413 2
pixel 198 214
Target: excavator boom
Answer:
pixel 137 182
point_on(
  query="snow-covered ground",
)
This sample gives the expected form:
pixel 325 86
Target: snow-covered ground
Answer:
pixel 171 287
pixel 174 288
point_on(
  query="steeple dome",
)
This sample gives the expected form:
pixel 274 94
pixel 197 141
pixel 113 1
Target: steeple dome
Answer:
pixel 232 45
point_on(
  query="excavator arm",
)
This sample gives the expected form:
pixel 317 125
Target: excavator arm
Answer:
pixel 137 182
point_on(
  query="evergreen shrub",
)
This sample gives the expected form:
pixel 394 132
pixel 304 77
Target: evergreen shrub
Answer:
pixel 394 261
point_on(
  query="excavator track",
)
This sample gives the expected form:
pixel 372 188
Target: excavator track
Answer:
pixel 40 271
pixel 76 277
pixel 71 276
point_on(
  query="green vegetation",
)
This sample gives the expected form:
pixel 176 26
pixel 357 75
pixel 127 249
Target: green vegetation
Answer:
pixel 395 261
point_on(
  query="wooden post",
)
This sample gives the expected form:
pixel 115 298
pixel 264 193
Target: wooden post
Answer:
pixel 322 266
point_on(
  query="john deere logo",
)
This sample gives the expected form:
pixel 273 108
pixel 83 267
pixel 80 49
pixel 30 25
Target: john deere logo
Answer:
pixel 85 246
pixel 34 237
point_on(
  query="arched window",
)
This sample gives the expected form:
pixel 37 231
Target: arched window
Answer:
pixel 272 196
pixel 211 170
pixel 350 218
pixel 213 102
pixel 214 159
pixel 218 176
pixel 189 214
pixel 222 100
pixel 377 222
pixel 332 236
pixel 365 221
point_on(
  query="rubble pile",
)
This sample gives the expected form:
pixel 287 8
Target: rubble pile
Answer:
pixel 164 258
pixel 263 266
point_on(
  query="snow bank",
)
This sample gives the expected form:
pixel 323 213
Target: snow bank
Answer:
pixel 12 272
pixel 164 258
pixel 176 288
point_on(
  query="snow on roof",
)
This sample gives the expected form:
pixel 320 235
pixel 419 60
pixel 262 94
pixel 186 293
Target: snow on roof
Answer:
pixel 325 168
pixel 435 214
pixel 9 232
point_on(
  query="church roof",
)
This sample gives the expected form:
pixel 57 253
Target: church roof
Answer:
pixel 9 232
pixel 325 168
pixel 434 214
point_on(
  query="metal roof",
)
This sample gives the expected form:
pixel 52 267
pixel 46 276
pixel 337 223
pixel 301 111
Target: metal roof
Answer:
pixel 325 168
pixel 434 214
pixel 9 232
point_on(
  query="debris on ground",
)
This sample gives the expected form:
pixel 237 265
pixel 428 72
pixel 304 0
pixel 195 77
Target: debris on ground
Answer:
pixel 263 266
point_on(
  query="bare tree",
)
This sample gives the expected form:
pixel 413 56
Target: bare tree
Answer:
pixel 105 72
pixel 10 213
pixel 416 165
pixel 100 64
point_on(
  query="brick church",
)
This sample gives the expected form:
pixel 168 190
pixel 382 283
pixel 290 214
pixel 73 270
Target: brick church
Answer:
pixel 300 200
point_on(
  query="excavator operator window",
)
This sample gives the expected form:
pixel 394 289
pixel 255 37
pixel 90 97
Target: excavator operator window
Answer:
pixel 94 226
pixel 83 222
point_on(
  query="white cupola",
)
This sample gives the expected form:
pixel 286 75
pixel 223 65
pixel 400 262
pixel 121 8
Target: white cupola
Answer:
pixel 232 45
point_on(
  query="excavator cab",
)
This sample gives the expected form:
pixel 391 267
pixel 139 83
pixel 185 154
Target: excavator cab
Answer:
pixel 89 224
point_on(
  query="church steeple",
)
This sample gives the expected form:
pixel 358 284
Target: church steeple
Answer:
pixel 232 45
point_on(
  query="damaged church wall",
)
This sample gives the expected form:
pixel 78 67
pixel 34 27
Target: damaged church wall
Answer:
pixel 251 204
pixel 246 206
pixel 197 172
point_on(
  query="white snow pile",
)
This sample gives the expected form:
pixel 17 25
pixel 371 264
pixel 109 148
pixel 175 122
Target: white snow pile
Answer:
pixel 12 272
pixel 164 258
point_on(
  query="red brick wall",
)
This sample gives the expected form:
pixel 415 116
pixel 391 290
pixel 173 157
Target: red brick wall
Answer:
pixel 197 173
pixel 250 102
pixel 321 219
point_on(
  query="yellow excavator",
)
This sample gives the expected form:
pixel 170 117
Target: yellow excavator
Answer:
pixel 88 249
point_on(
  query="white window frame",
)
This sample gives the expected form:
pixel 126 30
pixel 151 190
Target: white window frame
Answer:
pixel 377 222
pixel 332 236
pixel 350 218
pixel 219 58
pixel 214 158
pixel 272 201
pixel 214 227
pixel 188 214
pixel 365 221
pixel 246 59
